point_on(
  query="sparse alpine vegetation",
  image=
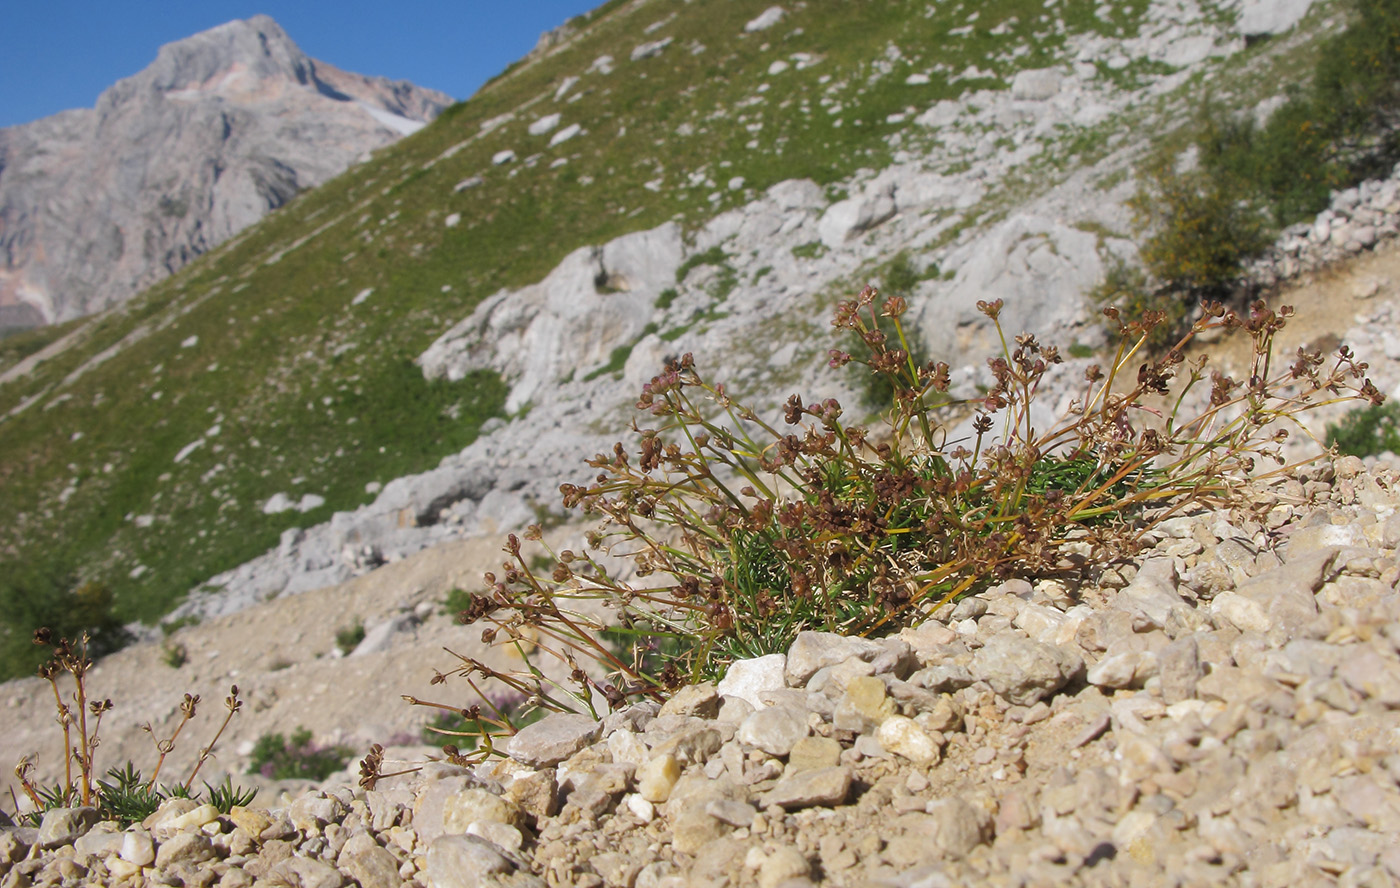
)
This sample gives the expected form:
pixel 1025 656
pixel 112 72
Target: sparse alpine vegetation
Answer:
pixel 125 796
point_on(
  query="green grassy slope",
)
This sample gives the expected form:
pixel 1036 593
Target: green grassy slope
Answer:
pixel 262 368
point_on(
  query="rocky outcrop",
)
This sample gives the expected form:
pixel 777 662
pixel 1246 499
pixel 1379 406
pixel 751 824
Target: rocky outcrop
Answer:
pixel 224 126
pixel 1356 220
pixel 596 300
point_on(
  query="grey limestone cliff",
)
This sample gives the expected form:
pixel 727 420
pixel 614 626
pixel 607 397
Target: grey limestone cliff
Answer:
pixel 223 127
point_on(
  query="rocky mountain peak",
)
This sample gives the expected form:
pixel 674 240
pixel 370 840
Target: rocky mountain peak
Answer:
pixel 257 45
pixel 223 127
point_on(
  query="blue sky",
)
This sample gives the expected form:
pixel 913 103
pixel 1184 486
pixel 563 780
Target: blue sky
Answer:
pixel 59 54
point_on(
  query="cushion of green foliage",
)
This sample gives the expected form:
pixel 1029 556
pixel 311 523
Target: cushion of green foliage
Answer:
pixel 1202 228
pixel 279 758
pixel 349 638
pixel 1368 431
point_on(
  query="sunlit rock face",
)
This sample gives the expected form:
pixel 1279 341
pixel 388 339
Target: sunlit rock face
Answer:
pixel 98 203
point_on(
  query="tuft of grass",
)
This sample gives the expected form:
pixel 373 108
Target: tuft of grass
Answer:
pixel 809 250
pixel 170 627
pixel 617 359
pixel 296 758
pixel 174 655
pixel 713 256
pixel 456 600
pixel 348 638
pixel 744 534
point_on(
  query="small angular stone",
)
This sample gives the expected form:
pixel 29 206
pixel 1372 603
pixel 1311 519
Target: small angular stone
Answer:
pixel 552 739
pixel 813 650
pixel 774 730
pixel 473 804
pixel 1118 670
pixel 903 737
pixel 783 864
pixel 103 839
pixel 62 826
pixel 499 834
pixel 626 746
pixel 617 869
pixel 138 848
pixel 811 753
pixel 1024 671
pixel 947 829
pixel 251 820
pixel 1311 540
pixel 956 827
pixel 184 849
pixel 731 811
pixel 804 789
pixel 864 705
pixel 695 743
pixel 748 679
pixel 1374 676
pixel 12 846
pixel 308 813
pixel 698 700
pixel 464 862
pixel 694 828
pixel 1178 669
pixel 943 677
pixel 169 810
pixel 534 792
pixel 1152 599
pixel 369 864
pixel 657 777
pixel 305 872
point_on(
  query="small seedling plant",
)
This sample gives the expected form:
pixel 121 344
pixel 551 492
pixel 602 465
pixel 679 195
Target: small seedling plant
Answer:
pixel 745 532
pixel 125 796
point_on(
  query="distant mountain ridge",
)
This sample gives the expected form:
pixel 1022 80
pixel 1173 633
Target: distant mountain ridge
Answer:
pixel 98 203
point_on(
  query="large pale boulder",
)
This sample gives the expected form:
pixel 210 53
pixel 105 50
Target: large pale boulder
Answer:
pixel 1259 18
pixel 1040 267
pixel 847 218
pixel 595 300
pixel 1036 85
